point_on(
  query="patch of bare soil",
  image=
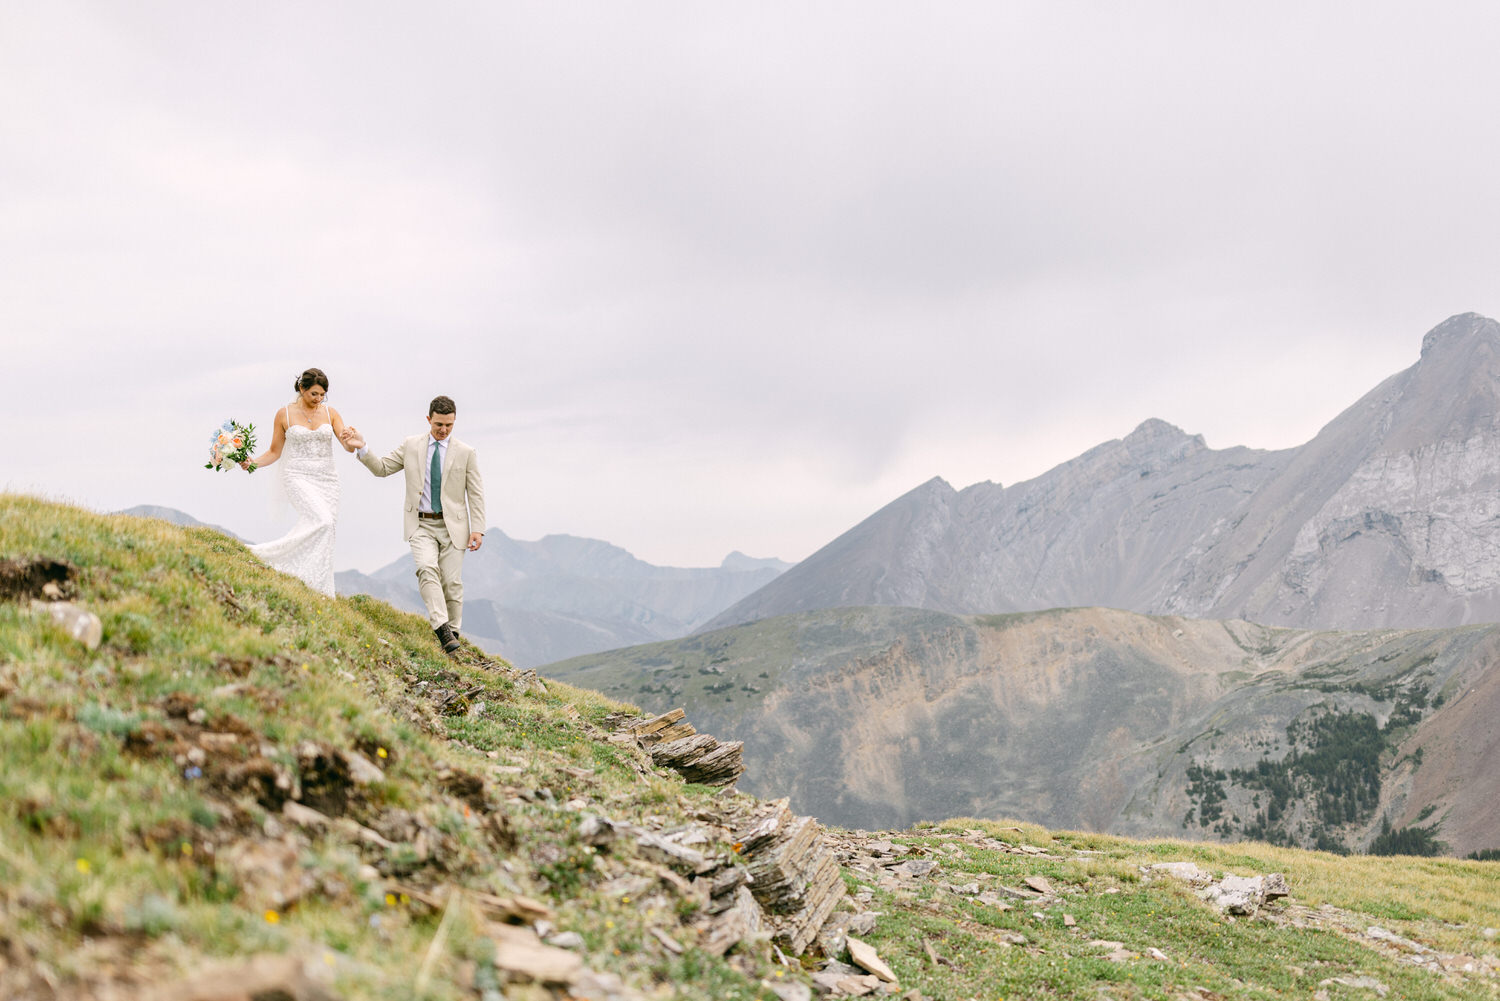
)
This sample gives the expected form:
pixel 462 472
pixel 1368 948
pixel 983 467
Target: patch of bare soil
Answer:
pixel 26 579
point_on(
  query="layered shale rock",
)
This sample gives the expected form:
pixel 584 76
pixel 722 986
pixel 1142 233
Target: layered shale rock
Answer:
pixel 794 875
pixel 674 743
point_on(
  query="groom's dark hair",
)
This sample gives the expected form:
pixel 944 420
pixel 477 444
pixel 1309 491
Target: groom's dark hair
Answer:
pixel 441 405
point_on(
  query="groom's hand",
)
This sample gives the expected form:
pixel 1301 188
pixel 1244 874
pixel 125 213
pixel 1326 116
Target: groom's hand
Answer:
pixel 476 539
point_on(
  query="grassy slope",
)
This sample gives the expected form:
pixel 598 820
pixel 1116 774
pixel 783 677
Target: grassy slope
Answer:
pixel 118 855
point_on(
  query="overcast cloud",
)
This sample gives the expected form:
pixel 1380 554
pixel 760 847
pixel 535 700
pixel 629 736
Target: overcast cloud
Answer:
pixel 711 276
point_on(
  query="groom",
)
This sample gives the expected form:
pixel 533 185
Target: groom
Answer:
pixel 444 511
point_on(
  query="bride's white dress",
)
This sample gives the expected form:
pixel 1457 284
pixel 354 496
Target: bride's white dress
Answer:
pixel 312 485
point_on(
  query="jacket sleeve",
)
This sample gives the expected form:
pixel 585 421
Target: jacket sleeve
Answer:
pixel 474 495
pixel 385 466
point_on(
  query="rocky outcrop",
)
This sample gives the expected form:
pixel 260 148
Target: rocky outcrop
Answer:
pixel 1240 895
pixel 674 743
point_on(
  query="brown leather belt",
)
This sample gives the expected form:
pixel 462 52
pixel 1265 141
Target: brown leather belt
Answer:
pixel 427 514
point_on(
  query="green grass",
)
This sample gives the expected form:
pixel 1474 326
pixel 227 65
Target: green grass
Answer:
pixel 105 836
pixel 1444 904
pixel 114 842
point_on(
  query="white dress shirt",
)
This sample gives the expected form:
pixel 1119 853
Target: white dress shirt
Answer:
pixel 425 504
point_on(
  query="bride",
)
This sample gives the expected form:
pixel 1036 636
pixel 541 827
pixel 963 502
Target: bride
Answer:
pixel 306 429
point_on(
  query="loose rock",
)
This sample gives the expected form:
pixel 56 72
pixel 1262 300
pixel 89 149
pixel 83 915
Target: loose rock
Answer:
pixel 1040 884
pixel 866 958
pixel 525 957
pixel 79 623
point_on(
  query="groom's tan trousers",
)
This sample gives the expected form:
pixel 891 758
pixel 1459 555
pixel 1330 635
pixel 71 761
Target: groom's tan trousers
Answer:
pixel 440 566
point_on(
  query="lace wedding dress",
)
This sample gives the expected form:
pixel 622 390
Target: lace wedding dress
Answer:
pixel 312 485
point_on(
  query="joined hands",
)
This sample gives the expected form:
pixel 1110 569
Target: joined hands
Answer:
pixel 352 437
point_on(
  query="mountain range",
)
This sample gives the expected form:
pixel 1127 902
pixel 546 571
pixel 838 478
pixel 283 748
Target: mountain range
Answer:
pixel 559 596
pixel 910 669
pixel 1390 516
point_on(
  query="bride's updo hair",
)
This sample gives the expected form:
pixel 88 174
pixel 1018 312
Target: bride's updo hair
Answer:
pixel 312 377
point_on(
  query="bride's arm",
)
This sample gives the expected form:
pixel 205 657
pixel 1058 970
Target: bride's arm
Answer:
pixel 338 430
pixel 278 439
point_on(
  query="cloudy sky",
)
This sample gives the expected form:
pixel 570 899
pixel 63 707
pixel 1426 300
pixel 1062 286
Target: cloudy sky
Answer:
pixel 705 276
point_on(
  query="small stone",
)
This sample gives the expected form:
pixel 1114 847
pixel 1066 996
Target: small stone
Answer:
pixel 1069 921
pixel 1273 887
pixel 591 985
pixel 565 940
pixel 865 957
pixel 857 986
pixel 304 816
pixel 81 624
pixel 827 980
pixel 362 770
pixel 518 951
pixel 671 944
pixel 198 717
pixel 1158 955
pixel 1040 884
pixel 1361 983
pixel 788 990
pixel 915 868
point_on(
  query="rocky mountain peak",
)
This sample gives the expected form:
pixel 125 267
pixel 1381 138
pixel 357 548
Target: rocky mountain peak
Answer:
pixel 1156 440
pixel 1459 332
pixel 738 562
pixel 1153 430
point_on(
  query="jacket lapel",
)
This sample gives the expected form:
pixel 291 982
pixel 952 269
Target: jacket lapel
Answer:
pixel 415 457
pixel 452 453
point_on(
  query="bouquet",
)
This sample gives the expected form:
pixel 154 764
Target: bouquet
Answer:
pixel 231 442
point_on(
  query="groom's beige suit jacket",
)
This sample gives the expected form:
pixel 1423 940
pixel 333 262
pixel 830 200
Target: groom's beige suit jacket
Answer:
pixel 462 493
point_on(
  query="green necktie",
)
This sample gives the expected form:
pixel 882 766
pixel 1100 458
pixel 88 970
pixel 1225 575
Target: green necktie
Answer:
pixel 437 479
